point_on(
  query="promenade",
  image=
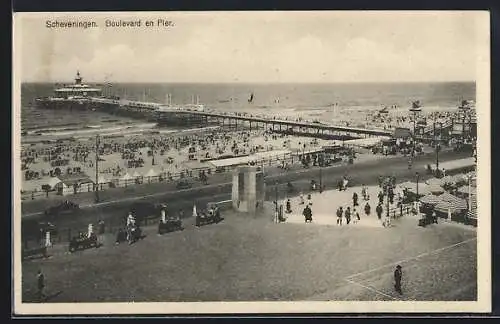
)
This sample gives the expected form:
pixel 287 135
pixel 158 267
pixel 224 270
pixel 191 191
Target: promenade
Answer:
pixel 253 259
pixel 360 172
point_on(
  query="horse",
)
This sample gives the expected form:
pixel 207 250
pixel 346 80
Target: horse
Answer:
pixel 134 233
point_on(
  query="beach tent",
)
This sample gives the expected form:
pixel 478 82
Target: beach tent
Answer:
pixel 151 175
pixel 52 182
pixel 126 180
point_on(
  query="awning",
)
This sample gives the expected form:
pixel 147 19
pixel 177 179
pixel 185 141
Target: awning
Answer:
pixel 435 189
pixel 454 207
pixel 434 181
pixel 457 164
pixel 430 199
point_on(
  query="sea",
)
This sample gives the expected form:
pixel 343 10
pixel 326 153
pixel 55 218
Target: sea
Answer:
pixel 328 103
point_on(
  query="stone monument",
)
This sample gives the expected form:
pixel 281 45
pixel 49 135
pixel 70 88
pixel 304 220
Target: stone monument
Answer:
pixel 249 189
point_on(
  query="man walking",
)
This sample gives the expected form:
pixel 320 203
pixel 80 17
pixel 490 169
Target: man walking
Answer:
pixel 339 216
pixel 381 197
pixel 348 215
pixel 379 211
pixel 40 285
pixel 398 274
pixel 355 199
pixel 368 209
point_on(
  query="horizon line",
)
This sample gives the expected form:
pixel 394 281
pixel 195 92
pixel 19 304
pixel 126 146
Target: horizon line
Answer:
pixel 252 82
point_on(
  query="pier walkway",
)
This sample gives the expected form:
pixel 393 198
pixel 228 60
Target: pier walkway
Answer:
pixel 274 123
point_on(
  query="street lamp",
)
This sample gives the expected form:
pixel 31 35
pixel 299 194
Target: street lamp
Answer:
pixel 418 178
pixel 415 109
pixel 387 186
pixel 320 161
pixel 438 145
pixel 97 142
pixel 276 195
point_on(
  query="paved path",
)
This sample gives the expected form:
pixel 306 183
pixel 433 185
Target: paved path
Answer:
pixel 367 172
pixel 325 204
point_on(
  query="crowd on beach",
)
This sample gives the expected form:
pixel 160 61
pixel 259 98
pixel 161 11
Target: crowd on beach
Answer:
pixel 170 154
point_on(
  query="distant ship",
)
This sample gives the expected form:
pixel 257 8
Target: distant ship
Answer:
pixel 250 100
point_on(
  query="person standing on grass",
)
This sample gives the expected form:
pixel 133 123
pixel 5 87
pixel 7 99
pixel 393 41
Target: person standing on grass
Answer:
pixel 339 216
pixel 398 275
pixel 40 285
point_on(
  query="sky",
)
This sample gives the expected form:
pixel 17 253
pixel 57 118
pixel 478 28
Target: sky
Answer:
pixel 270 47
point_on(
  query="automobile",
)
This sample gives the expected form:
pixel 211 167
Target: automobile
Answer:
pixel 65 208
pixel 183 184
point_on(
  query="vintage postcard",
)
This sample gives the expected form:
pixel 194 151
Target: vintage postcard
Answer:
pixel 251 162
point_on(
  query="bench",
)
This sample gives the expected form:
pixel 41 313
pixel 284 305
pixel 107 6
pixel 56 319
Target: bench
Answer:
pixel 78 243
pixel 40 252
pixel 170 226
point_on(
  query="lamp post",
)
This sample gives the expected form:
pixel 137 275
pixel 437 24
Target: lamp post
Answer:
pixel 276 195
pixel 320 161
pixel 387 186
pixel 415 109
pixel 418 178
pixel 438 146
pixel 97 142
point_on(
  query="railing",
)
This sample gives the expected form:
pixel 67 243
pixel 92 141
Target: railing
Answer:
pixel 192 174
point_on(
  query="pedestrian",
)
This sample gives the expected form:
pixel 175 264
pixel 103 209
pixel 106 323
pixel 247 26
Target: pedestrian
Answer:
pixel 339 216
pixel 355 199
pixel 40 285
pixel 307 212
pixel 398 275
pixel 380 197
pixel 100 232
pixel 301 198
pixel 288 206
pixel 347 215
pixel 355 214
pixel 391 196
pixel 368 209
pixel 379 211
pixel 363 192
pixel 309 200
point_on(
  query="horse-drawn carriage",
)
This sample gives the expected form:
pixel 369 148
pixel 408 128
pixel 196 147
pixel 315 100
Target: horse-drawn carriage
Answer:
pixel 170 225
pixel 210 216
pixel 83 242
